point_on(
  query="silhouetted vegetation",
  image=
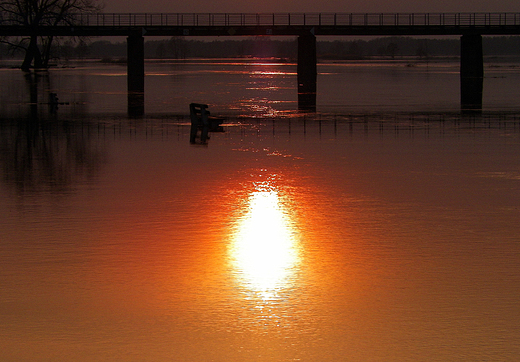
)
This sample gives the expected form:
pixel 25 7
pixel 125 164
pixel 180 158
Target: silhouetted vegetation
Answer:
pixel 38 49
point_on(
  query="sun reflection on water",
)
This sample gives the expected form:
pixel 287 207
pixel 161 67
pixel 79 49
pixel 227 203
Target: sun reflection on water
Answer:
pixel 268 89
pixel 264 250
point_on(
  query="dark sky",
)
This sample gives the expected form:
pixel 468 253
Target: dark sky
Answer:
pixel 338 6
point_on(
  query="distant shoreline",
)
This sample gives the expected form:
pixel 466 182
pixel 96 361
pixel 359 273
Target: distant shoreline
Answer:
pixel 492 61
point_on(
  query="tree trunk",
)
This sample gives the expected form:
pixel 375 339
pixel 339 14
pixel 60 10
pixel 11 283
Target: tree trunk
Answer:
pixel 29 55
pixel 46 54
pixel 32 54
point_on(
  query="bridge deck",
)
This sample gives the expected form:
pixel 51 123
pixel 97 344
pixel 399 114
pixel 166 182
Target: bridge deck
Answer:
pixel 208 24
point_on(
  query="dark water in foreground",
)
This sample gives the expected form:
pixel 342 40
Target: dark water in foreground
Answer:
pixel 390 236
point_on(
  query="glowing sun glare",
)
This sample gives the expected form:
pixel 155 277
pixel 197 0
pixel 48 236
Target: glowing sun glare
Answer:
pixel 264 249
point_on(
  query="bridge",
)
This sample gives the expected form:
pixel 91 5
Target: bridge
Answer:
pixel 306 26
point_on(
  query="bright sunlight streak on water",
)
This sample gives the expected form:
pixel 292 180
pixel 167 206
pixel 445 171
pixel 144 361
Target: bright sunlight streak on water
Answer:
pixel 264 248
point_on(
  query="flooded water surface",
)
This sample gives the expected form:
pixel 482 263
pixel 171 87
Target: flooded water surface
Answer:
pixel 385 233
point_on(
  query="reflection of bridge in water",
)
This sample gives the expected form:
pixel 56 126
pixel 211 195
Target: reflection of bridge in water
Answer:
pixel 470 26
pixel 178 126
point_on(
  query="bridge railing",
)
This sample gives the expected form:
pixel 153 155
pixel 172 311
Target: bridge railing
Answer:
pixel 294 19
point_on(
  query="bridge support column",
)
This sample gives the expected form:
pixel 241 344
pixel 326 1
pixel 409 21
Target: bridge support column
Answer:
pixel 307 72
pixel 471 72
pixel 135 74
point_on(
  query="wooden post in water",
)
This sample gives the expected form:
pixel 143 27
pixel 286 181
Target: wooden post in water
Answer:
pixel 471 72
pixel 201 119
pixel 307 71
pixel 135 74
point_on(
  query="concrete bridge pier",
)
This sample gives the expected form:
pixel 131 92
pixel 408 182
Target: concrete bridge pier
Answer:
pixel 135 74
pixel 471 72
pixel 307 72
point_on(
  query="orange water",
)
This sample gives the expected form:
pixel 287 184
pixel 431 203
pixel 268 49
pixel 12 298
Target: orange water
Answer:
pixel 278 241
